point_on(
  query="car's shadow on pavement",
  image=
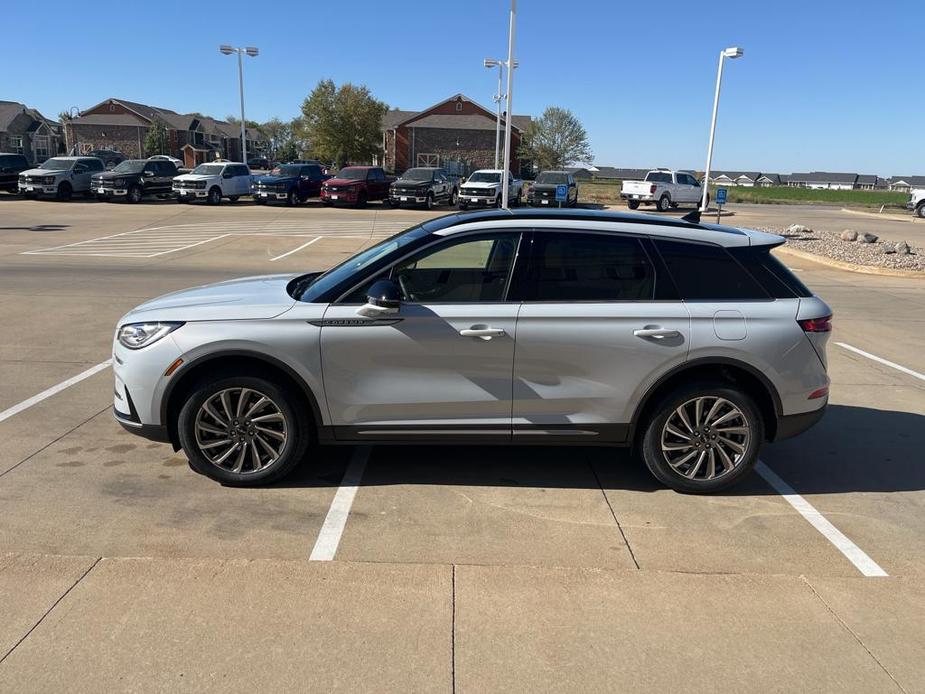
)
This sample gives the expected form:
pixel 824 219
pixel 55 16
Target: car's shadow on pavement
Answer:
pixel 853 449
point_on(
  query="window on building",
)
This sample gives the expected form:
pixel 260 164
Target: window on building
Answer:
pixel 16 144
pixel 42 150
pixel 459 106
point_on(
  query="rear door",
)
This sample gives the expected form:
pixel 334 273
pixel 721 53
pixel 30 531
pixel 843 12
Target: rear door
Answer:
pixel 599 323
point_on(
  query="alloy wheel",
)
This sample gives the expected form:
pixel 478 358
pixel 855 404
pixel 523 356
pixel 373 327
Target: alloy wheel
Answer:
pixel 705 438
pixel 241 430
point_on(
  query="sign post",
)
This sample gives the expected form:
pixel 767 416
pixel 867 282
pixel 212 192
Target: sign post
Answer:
pixel 720 201
pixel 561 194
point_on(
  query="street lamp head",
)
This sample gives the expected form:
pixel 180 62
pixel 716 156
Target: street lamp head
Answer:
pixel 734 52
pixel 227 50
pixel 491 62
pixel 251 51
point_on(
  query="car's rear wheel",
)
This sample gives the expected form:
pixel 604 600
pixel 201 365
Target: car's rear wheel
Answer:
pixel 215 196
pixel 664 203
pixel 632 204
pixel 243 431
pixel 65 191
pixel 703 437
pixel 920 210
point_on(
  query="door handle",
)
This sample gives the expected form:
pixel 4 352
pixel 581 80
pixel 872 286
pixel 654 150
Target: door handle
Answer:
pixel 485 333
pixel 657 333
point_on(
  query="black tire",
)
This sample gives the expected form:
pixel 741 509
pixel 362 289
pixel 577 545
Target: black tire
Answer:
pixel 664 203
pixel 292 199
pixel 920 210
pixel 135 194
pixel 429 201
pixel 464 205
pixel 451 199
pixel 519 200
pixel 632 204
pixel 234 198
pixel 65 191
pixel 498 200
pixel 215 195
pixel 655 458
pixel 362 200
pixel 298 431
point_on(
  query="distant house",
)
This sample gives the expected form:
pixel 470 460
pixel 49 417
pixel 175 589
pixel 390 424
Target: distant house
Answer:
pixel 122 125
pixel 866 182
pixel 747 179
pixel 766 180
pixel 904 184
pixel 456 133
pixel 824 180
pixel 24 130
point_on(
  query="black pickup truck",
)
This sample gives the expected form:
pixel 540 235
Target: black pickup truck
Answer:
pixel 543 191
pixel 293 183
pixel 425 186
pixel 133 179
pixel 11 165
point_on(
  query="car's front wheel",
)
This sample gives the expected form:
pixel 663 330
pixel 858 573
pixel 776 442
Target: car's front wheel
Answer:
pixel 135 194
pixel 215 196
pixel 703 437
pixel 243 431
pixel 920 210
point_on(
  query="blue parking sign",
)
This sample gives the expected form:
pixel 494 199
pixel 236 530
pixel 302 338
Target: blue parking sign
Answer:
pixel 720 196
pixel 562 193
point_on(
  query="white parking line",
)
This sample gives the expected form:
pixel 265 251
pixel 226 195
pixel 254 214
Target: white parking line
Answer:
pixel 334 523
pixel 881 360
pixel 839 540
pixel 26 404
pixel 295 250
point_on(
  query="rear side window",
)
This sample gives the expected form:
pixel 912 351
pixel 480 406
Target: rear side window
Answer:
pixel 93 164
pixel 658 177
pixel 705 272
pixel 773 275
pixel 588 267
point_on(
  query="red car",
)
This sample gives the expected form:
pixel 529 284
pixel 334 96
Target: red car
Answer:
pixel 357 185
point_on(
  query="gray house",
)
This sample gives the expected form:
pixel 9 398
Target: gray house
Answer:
pixel 24 130
pixel 824 179
pixel 904 184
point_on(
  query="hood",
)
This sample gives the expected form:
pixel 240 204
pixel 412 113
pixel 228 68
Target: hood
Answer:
pixel 481 185
pixel 408 183
pixel 272 180
pixel 248 298
pixel 343 182
pixel 545 187
pixel 112 175
pixel 196 177
pixel 43 172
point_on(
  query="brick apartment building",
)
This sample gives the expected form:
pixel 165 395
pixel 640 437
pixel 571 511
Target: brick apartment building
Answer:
pixel 123 125
pixel 455 130
pixel 24 130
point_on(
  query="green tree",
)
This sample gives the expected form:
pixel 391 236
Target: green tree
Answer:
pixel 249 123
pixel 284 146
pixel 555 140
pixel 156 139
pixel 343 124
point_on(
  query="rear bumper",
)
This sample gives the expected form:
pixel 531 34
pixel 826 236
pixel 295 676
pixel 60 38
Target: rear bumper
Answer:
pixel 792 425
pixel 640 198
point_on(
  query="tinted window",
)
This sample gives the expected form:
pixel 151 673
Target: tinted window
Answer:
pixel 93 164
pixel 12 161
pixel 704 272
pixel 588 267
pixel 658 177
pixel 773 275
pixel 552 178
pixel 460 270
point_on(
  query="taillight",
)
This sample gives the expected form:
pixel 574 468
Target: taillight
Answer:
pixel 820 393
pixel 652 189
pixel 816 325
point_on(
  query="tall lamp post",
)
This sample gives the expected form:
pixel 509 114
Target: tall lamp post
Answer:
pixel 252 52
pixel 498 98
pixel 732 53
pixel 505 188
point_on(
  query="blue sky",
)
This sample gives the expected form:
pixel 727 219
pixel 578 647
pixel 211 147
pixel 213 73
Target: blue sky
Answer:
pixel 824 84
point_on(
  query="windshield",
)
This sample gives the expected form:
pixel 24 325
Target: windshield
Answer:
pixel 57 164
pixel 358 263
pixel 130 166
pixel 485 177
pixel 285 171
pixel 352 174
pixel 208 169
pixel 553 178
pixel 418 175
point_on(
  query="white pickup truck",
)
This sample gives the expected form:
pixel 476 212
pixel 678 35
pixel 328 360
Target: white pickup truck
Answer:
pixel 484 188
pixel 663 188
pixel 917 202
pixel 214 181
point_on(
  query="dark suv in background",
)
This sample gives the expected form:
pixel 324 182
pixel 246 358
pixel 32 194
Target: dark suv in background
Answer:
pixel 133 179
pixel 293 183
pixel 543 191
pixel 11 165
pixel 425 186
pixel 111 158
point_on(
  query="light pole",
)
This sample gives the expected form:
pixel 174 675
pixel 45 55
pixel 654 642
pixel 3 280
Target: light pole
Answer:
pixel 252 52
pixel 505 188
pixel 497 98
pixel 732 53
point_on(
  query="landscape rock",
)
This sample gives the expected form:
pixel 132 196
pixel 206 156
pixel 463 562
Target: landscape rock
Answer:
pixel 867 238
pixel 798 229
pixel 902 248
pixel 888 248
pixel 849 235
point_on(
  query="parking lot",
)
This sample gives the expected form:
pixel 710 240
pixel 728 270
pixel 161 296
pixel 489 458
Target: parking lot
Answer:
pixel 433 568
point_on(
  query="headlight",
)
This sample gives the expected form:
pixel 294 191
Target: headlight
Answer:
pixel 138 335
pixel 119 182
pixel 49 180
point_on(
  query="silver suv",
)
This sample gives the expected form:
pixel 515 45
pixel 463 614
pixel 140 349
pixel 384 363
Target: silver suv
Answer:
pixel 689 342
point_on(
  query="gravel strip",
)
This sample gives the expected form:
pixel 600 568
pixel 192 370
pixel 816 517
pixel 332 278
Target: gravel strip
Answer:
pixel 830 245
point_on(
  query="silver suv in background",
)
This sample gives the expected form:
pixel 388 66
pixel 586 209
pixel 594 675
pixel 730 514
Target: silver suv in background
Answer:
pixel 689 342
pixel 60 177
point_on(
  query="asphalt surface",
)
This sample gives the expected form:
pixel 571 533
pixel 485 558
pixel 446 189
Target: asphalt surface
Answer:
pixel 454 569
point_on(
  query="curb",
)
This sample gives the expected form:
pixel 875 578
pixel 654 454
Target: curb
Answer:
pixel 851 267
pixel 889 215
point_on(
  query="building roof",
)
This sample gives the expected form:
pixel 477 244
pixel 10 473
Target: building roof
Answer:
pixel 110 119
pixel 911 180
pixel 395 118
pixel 472 121
pixel 824 177
pixel 9 110
pixel 867 179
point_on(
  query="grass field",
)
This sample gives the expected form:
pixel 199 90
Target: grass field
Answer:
pixel 608 193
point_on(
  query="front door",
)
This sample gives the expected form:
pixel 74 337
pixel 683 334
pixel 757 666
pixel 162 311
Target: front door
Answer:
pixel 594 332
pixel 443 362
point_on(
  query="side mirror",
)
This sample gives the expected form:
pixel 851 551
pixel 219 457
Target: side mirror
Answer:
pixel 382 298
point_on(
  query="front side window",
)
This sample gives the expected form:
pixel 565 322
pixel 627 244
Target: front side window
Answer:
pixel 706 272
pixel 588 267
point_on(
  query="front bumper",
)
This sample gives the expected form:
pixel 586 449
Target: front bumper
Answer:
pixel 408 198
pixel 140 383
pixel 261 194
pixel 340 196
pixel 477 200
pixel 109 190
pixel 38 189
pixel 190 192
pixel 546 202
